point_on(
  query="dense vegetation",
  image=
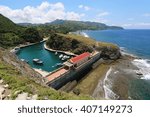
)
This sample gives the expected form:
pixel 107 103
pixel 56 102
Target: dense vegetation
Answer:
pixel 65 26
pixel 79 44
pixel 60 42
pixel 12 34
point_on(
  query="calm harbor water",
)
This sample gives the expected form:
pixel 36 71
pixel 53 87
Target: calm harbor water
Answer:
pixel 135 42
pixel 37 51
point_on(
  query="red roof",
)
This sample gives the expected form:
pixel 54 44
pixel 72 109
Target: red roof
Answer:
pixel 80 57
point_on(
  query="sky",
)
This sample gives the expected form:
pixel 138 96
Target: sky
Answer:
pixel 130 14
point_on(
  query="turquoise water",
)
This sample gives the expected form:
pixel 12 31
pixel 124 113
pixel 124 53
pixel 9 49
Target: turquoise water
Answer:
pixel 38 51
pixel 135 42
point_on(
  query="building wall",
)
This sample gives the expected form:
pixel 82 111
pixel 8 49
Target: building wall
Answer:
pixel 73 74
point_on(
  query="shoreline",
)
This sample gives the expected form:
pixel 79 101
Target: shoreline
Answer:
pixel 59 51
pixel 42 72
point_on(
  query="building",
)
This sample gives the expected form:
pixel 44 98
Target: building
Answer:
pixel 78 60
pixel 72 69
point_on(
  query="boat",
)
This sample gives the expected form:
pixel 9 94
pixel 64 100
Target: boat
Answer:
pixel 60 56
pixel 23 60
pixel 56 53
pixel 62 59
pixel 59 64
pixel 38 61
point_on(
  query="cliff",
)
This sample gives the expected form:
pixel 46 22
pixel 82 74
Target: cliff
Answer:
pixel 79 44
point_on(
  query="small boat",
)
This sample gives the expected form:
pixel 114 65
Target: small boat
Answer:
pixel 62 59
pixel 56 53
pixel 23 60
pixel 60 56
pixel 59 64
pixel 38 61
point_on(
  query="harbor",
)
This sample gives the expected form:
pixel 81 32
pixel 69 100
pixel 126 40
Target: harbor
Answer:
pixel 40 58
pixel 57 67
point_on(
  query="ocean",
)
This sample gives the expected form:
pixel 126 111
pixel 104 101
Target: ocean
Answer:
pixel 136 43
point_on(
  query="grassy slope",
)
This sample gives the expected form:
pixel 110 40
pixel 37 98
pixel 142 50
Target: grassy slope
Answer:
pixel 90 81
pixel 6 25
pixel 89 41
pixel 17 82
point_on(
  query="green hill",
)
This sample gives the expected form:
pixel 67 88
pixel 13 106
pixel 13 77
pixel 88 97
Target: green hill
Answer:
pixel 12 34
pixel 6 25
pixel 84 25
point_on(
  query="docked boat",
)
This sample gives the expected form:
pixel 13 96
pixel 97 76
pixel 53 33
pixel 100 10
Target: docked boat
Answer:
pixel 38 61
pixel 23 60
pixel 56 53
pixel 60 56
pixel 59 64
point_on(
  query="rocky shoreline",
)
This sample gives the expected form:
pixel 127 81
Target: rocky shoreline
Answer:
pixel 110 79
pixel 115 83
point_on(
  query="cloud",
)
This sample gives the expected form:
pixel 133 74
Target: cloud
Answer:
pixel 145 25
pixel 86 8
pixel 45 12
pixel 101 20
pixel 146 14
pixel 101 14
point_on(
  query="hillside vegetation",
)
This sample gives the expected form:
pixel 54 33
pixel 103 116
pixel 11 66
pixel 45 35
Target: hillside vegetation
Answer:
pixel 19 82
pixel 66 26
pixel 79 44
pixel 12 34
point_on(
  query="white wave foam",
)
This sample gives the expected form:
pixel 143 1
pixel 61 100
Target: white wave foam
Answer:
pixel 125 52
pixel 144 67
pixel 109 94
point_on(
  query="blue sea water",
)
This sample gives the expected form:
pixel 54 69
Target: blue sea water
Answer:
pixel 37 51
pixel 136 42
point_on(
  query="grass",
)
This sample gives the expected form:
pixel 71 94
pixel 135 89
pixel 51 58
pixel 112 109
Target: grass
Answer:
pixel 89 41
pixel 90 81
pixel 20 83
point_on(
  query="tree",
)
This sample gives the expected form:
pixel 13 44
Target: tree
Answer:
pixel 31 35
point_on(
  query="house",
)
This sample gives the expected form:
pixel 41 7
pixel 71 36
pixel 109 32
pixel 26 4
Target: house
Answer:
pixel 78 60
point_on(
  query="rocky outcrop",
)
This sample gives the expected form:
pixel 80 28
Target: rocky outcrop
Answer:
pixel 110 53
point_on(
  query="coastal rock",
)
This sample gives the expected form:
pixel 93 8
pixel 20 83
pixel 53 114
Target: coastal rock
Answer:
pixel 110 53
pixel 6 86
pixel 22 96
pixel 34 97
pixel 2 90
pixel 1 81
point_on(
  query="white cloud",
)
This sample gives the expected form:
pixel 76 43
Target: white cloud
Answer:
pixel 101 14
pixel 101 20
pixel 45 12
pixel 86 8
pixel 146 14
pixel 145 25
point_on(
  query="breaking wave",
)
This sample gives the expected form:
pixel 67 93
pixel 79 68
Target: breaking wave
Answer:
pixel 144 67
pixel 109 94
